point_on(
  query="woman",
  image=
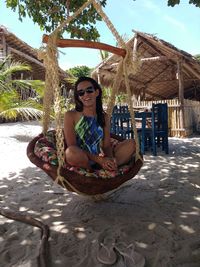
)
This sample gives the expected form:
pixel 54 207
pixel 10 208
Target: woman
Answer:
pixel 87 131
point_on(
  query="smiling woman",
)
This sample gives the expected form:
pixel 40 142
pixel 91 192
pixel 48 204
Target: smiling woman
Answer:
pixel 87 132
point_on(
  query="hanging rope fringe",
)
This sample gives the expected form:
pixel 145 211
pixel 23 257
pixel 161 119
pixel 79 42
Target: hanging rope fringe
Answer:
pixel 130 102
pixel 115 89
pixel 48 90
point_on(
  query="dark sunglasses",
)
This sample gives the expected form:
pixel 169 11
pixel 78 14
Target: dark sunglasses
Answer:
pixel 88 90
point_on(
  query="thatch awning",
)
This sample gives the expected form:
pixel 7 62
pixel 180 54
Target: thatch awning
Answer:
pixel 157 77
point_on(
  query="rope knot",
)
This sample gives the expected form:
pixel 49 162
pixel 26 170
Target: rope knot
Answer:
pixel 41 53
pixel 132 61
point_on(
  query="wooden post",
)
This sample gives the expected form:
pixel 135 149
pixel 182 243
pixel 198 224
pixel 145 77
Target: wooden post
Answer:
pixel 135 47
pixel 181 94
pixel 135 42
pixel 98 76
pixel 3 50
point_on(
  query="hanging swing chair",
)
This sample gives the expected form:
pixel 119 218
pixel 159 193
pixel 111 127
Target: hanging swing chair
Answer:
pixel 67 178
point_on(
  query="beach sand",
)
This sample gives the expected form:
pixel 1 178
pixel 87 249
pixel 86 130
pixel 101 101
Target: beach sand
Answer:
pixel 157 211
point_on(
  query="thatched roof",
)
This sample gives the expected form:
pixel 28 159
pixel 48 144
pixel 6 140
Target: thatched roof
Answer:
pixel 157 76
pixel 21 51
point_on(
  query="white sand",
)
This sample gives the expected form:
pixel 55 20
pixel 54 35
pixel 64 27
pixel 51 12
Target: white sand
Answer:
pixel 158 210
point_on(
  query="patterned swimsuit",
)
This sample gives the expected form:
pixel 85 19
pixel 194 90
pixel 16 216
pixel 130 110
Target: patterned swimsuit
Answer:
pixel 89 134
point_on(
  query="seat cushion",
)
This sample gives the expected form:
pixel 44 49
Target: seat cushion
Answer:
pixel 45 149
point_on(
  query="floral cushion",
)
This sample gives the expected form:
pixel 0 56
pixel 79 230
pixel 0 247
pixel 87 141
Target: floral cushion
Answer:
pixel 45 149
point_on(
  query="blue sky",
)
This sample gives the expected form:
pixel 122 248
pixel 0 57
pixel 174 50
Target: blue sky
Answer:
pixel 179 25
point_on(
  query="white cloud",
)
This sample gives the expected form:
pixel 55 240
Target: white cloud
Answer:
pixel 175 22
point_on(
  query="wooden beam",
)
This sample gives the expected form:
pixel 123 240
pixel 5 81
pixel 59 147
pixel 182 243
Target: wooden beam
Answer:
pixel 188 68
pixel 29 58
pixel 156 76
pixel 147 59
pixel 157 58
pixel 175 80
pixel 87 44
pixel 4 47
pixel 181 93
pixel 147 91
pixel 113 72
pixel 180 82
pixel 135 42
pixel 152 46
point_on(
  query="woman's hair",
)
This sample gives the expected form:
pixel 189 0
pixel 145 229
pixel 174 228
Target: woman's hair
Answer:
pixel 99 107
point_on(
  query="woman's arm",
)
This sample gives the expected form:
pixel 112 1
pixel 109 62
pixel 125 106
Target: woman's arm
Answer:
pixel 106 139
pixel 69 131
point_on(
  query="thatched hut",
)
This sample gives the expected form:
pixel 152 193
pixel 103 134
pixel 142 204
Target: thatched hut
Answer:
pixel 20 51
pixel 167 74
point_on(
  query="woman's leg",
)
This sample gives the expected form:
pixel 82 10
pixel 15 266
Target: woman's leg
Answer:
pixel 124 151
pixel 77 157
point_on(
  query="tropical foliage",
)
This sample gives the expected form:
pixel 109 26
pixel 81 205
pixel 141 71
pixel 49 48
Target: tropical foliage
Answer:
pixel 197 57
pixel 79 71
pixel 14 103
pixel 177 2
pixel 49 14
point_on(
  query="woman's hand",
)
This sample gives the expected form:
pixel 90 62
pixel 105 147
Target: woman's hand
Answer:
pixel 108 163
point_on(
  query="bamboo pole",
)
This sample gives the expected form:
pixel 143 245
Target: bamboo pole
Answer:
pixel 157 58
pixel 181 93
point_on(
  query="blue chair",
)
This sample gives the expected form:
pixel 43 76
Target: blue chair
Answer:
pixel 144 133
pixel 121 122
pixel 160 127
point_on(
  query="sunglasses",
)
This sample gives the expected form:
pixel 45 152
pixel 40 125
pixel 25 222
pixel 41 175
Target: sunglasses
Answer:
pixel 88 90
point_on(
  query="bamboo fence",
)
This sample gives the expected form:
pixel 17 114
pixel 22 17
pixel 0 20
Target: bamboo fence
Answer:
pixel 191 115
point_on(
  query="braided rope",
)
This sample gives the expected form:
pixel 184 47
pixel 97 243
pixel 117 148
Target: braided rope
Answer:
pixel 109 23
pixel 115 89
pixel 52 84
pixel 62 180
pixel 70 18
pixel 130 102
pixel 48 89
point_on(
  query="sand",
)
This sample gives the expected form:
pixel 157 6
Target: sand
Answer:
pixel 157 211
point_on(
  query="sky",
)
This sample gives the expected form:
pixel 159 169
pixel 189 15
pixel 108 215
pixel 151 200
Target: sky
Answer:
pixel 179 25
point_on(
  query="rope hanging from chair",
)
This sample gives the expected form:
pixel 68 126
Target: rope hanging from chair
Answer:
pixel 52 88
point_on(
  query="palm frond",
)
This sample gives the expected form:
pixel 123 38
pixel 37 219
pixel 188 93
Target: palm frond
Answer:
pixel 8 99
pixel 13 68
pixel 25 113
pixel 5 86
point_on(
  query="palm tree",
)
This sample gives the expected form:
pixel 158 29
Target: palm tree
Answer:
pixel 12 105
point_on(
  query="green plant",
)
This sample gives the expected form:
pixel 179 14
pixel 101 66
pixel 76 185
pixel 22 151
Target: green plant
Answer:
pixel 49 14
pixel 14 103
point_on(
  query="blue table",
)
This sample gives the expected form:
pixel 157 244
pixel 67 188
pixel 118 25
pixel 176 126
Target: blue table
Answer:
pixel 144 132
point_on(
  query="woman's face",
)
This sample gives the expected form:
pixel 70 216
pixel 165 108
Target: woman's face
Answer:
pixel 87 93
